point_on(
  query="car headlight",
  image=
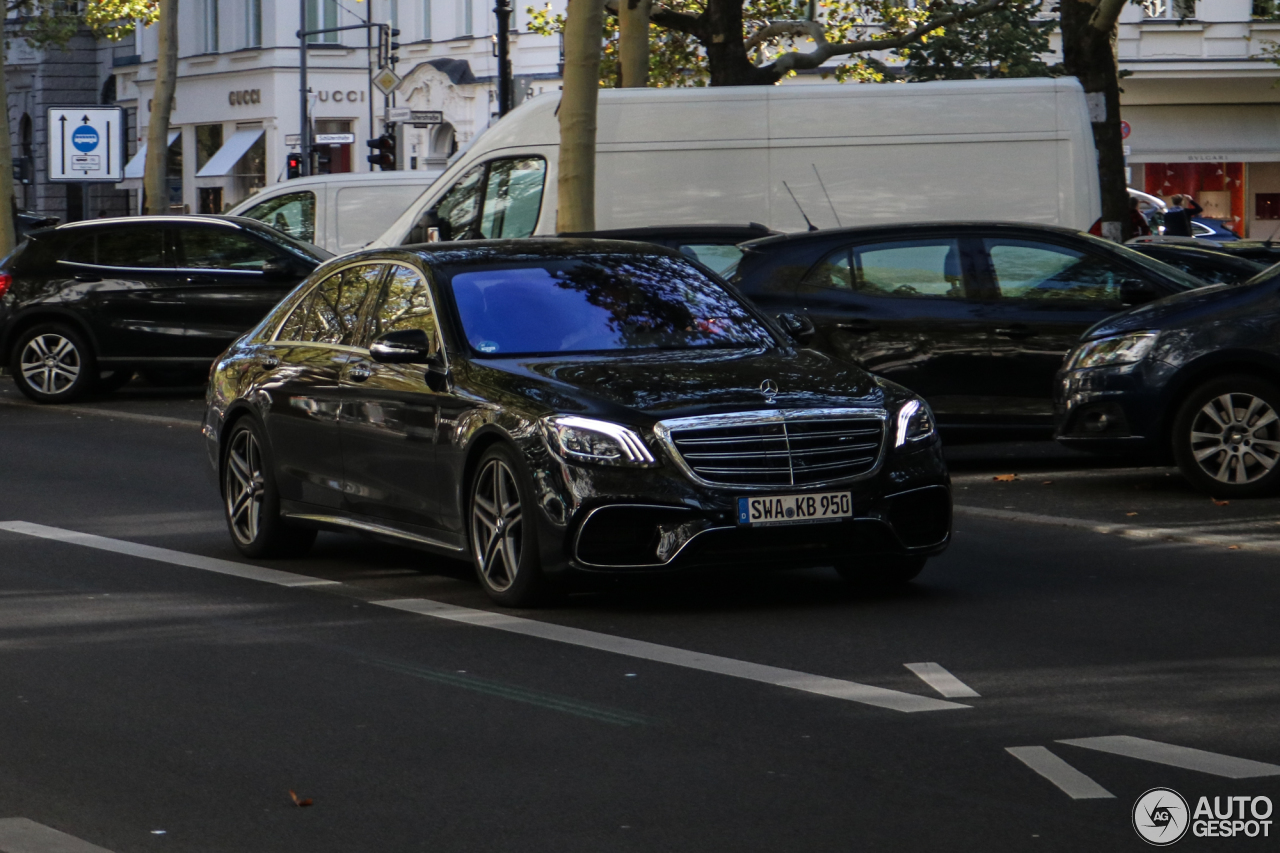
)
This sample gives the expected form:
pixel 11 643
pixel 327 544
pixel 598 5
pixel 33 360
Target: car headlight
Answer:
pixel 576 439
pixel 1112 351
pixel 915 423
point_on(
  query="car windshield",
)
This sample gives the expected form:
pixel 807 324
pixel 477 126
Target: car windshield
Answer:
pixel 1185 280
pixel 598 303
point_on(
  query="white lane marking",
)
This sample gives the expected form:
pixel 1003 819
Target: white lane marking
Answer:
pixel 1244 541
pixel 163 555
pixel 851 691
pixel 19 835
pixel 1177 756
pixel 1071 781
pixel 940 679
pixel 106 413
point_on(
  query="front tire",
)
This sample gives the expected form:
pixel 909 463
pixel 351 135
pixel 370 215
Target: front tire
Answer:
pixel 1226 437
pixel 881 572
pixel 251 499
pixel 504 540
pixel 53 363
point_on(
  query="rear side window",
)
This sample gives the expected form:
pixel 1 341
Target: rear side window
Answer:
pixel 1024 269
pixel 82 251
pixel 908 268
pixel 222 249
pixel 292 213
pixel 331 313
pixel 131 247
pixel 720 259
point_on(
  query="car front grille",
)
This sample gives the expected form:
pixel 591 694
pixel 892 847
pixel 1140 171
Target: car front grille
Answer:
pixel 791 448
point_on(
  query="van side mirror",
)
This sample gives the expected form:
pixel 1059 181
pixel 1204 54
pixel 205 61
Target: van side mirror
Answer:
pixel 1137 292
pixel 404 346
pixel 798 326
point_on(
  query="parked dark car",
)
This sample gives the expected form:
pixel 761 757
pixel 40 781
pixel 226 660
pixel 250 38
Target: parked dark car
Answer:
pixel 26 222
pixel 976 317
pixel 714 246
pixel 1212 229
pixel 1195 376
pixel 85 304
pixel 1209 265
pixel 548 407
pixel 1263 251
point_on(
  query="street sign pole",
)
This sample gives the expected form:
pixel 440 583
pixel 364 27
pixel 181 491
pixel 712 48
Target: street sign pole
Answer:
pixel 302 107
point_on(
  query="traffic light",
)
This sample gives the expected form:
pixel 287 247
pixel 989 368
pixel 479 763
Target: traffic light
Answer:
pixel 294 165
pixel 384 152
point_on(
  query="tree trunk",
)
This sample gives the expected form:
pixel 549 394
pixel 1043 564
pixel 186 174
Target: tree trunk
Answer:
pixel 633 43
pixel 576 184
pixel 724 42
pixel 7 206
pixel 155 182
pixel 1089 55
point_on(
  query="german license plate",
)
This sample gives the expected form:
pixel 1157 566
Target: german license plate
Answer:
pixel 794 509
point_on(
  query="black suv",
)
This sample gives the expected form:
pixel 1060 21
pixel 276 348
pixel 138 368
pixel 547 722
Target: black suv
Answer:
pixel 84 305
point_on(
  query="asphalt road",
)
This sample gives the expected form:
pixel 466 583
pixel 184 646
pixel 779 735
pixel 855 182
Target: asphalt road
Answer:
pixel 172 696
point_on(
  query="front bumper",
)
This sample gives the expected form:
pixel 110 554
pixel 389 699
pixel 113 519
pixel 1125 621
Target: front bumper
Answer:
pixel 1110 409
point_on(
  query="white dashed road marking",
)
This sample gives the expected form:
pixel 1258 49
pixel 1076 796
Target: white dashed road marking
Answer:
pixel 937 677
pixel 162 555
pixel 1073 783
pixel 835 688
pixel 19 835
pixel 1177 756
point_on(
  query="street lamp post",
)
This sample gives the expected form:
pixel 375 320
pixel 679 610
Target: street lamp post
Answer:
pixel 502 9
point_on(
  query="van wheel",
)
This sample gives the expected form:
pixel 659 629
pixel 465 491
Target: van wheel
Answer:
pixel 1226 437
pixel 53 363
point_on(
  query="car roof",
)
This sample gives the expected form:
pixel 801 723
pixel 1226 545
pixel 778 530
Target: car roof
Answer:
pixel 478 252
pixel 906 229
pixel 172 219
pixel 1214 251
pixel 652 232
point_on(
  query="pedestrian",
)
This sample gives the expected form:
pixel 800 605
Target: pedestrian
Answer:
pixel 1137 221
pixel 1177 219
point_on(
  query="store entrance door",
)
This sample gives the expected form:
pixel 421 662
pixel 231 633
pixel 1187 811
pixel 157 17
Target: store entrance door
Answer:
pixel 332 159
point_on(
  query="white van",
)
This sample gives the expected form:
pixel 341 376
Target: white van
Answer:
pixel 340 212
pixel 785 156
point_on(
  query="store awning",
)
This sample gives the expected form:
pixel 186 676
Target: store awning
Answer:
pixel 138 164
pixel 1203 133
pixel 224 162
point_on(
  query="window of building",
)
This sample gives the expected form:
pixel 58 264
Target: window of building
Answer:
pixel 393 13
pixel 209 12
pixel 208 141
pixel 1169 9
pixel 426 19
pixel 322 15
pixel 466 12
pixel 1266 206
pixel 253 23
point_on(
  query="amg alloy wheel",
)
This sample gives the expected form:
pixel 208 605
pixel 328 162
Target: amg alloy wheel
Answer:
pixel 53 364
pixel 251 502
pixel 503 541
pixel 1227 437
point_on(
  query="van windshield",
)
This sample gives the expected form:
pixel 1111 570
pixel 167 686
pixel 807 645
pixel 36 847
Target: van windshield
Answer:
pixel 599 303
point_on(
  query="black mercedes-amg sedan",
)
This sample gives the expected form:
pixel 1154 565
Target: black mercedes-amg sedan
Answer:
pixel 555 407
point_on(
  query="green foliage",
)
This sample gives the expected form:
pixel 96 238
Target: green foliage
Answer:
pixel 677 59
pixel 53 23
pixel 1007 42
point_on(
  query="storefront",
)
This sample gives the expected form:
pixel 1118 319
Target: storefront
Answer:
pixel 1226 156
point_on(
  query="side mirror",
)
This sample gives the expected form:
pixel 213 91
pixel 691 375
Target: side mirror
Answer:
pixel 1137 292
pixel 798 326
pixel 406 346
pixel 279 269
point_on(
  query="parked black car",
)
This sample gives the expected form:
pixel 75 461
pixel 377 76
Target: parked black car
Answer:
pixel 1265 252
pixel 550 407
pixel 26 222
pixel 1195 376
pixel 976 317
pixel 85 304
pixel 1209 265
pixel 714 246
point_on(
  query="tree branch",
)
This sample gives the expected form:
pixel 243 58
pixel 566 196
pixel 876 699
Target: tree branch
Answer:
pixel 668 19
pixel 773 29
pixel 794 61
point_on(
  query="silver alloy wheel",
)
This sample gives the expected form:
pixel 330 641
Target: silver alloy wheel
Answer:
pixel 245 486
pixel 1235 438
pixel 50 363
pixel 496 531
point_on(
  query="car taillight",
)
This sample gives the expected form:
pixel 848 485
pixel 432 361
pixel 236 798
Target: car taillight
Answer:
pixel 5 281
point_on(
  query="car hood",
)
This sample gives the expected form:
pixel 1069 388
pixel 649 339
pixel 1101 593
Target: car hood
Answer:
pixel 689 382
pixel 1198 306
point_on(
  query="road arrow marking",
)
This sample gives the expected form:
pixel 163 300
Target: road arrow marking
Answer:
pixel 1177 756
pixel 937 677
pixel 1071 781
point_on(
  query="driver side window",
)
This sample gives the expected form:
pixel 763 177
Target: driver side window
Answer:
pixel 500 199
pixel 907 268
pixel 1041 271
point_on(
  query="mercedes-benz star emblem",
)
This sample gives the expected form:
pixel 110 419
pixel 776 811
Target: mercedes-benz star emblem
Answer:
pixel 769 389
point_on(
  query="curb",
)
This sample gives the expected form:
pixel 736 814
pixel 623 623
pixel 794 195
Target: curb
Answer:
pixel 106 413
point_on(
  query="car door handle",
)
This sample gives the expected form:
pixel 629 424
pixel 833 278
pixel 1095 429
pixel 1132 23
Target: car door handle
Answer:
pixel 86 278
pixel 270 362
pixel 1017 332
pixel 858 327
pixel 359 373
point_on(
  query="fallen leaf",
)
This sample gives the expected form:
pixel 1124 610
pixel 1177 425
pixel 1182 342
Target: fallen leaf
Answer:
pixel 1217 502
pixel 1005 478
pixel 1233 547
pixel 1130 513
pixel 1047 483
pixel 301 803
